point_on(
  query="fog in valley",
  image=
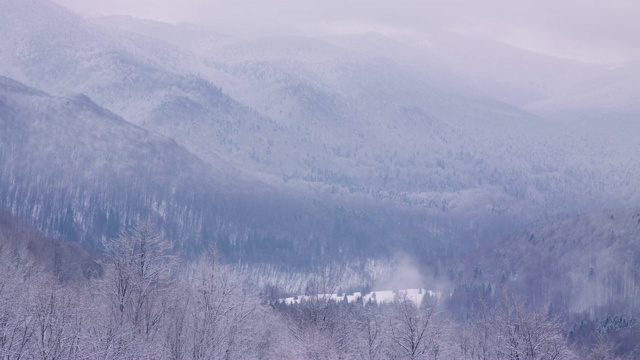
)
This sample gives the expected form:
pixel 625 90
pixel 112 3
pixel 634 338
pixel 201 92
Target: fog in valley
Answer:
pixel 441 179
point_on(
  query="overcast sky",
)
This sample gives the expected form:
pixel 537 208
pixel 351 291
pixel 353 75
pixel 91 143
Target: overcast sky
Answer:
pixel 603 31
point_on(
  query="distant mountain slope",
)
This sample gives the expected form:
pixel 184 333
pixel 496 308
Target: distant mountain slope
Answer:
pixel 540 83
pixel 358 152
pixel 190 36
pixel 81 173
pixel 300 113
pixel 616 98
pixel 336 118
pixel 76 169
pixel 583 263
pixel 57 50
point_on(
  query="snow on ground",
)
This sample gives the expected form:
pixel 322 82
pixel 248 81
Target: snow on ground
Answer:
pixel 377 297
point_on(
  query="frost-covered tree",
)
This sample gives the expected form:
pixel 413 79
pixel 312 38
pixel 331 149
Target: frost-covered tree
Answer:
pixel 139 273
pixel 521 334
pixel 215 315
pixel 57 321
pixel 221 313
pixel 414 331
pixel 510 331
pixel 371 333
pixel 16 326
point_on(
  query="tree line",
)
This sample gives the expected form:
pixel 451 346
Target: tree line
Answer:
pixel 147 303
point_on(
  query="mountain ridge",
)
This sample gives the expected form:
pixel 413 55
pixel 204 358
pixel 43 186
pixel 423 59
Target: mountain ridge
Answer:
pixel 343 136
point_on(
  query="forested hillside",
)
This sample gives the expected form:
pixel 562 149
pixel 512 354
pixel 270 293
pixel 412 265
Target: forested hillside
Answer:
pixel 164 186
pixel 324 150
pixel 584 263
pixel 143 302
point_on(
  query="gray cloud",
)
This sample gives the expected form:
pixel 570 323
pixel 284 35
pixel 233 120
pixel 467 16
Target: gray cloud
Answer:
pixel 588 28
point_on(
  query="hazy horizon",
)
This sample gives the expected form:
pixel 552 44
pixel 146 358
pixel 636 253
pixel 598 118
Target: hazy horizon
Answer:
pixel 590 32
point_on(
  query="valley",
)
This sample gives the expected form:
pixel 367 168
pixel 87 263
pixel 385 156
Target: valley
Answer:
pixel 488 174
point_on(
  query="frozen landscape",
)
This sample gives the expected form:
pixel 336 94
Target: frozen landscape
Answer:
pixel 190 181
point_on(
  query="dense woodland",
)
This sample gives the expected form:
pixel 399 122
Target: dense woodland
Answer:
pixel 163 186
pixel 138 299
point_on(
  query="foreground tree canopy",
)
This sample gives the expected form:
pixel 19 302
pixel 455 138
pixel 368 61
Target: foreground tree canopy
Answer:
pixel 148 304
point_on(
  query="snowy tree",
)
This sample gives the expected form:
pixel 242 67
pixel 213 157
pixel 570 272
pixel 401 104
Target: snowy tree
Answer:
pixel 371 335
pixel 223 318
pixel 57 320
pixel 16 326
pixel 139 273
pixel 521 334
pixel 509 331
pixel 414 332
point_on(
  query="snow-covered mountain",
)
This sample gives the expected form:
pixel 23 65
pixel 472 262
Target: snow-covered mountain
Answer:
pixel 369 124
pixel 73 167
pixel 362 153
pixel 79 172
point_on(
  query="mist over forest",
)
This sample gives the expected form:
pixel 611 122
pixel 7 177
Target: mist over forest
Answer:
pixel 420 180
